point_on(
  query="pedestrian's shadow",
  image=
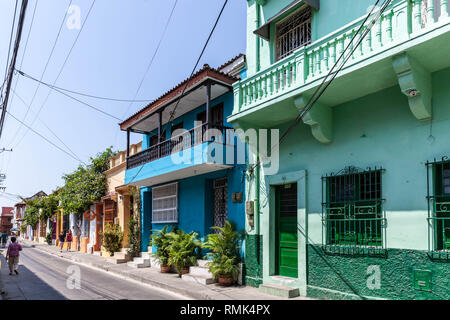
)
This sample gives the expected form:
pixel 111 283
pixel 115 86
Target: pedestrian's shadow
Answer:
pixel 25 286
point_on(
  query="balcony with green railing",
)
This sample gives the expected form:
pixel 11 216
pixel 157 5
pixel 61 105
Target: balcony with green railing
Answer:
pixel 269 97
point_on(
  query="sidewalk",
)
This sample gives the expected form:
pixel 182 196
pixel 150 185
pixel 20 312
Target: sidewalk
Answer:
pixel 153 277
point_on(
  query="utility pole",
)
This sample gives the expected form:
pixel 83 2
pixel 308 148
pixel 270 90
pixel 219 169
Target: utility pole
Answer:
pixel 13 62
pixel 3 175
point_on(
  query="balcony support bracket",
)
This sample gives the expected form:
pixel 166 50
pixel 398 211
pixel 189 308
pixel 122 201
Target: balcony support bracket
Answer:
pixel 320 118
pixel 415 83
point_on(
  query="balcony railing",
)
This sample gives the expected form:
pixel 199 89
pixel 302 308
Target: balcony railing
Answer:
pixel 191 138
pixel 402 20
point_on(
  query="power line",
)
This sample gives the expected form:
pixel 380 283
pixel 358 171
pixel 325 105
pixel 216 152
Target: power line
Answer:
pixel 76 99
pixel 192 73
pixel 80 93
pixel 13 62
pixel 40 135
pixel 319 90
pixel 10 42
pixel 153 57
pixel 62 68
pixel 45 69
pixel 48 128
pixel 172 113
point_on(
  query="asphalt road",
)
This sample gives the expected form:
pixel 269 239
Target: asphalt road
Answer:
pixel 45 277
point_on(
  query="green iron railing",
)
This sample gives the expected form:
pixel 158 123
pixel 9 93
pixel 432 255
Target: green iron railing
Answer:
pixel 353 217
pixel 403 20
pixel 438 208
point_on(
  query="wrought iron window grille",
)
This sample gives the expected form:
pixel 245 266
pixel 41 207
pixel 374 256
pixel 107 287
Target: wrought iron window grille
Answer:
pixel 353 217
pixel 293 32
pixel 438 198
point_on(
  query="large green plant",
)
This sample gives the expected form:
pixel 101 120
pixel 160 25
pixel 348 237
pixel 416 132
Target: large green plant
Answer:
pixel 224 251
pixel 112 238
pixel 86 184
pixel 40 209
pixel 134 232
pixel 183 251
pixel 161 240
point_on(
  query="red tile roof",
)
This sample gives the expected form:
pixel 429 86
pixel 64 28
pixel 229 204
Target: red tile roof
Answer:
pixel 6 211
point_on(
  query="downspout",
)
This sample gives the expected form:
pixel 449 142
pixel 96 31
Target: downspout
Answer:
pixel 258 23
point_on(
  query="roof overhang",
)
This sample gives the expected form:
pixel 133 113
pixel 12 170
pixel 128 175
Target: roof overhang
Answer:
pixel 192 99
pixel 264 30
pixel 191 90
pixel 180 174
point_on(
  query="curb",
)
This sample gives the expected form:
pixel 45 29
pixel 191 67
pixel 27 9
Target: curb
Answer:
pixel 162 285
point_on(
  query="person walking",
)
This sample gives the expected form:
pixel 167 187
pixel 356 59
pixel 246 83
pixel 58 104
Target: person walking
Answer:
pixel 12 256
pixel 69 240
pixel 61 237
pixel 4 239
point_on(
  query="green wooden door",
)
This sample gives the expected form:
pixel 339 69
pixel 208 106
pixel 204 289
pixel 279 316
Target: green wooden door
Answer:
pixel 286 233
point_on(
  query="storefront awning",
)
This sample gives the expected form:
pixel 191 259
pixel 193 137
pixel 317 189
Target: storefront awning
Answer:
pixel 264 30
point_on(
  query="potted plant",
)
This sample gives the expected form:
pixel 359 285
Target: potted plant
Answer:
pixel 112 237
pixel 225 256
pixel 183 250
pixel 161 241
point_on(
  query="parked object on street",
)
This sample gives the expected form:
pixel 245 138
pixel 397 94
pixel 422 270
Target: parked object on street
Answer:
pixel 12 256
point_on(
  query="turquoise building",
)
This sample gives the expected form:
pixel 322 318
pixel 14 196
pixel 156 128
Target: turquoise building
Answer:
pixel 188 171
pixel 355 200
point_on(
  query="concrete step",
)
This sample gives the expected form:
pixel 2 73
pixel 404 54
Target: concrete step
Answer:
pixel 98 253
pixel 198 279
pixel 203 263
pixel 122 255
pixel 139 263
pixel 199 271
pixel 146 255
pixel 279 291
pixel 115 260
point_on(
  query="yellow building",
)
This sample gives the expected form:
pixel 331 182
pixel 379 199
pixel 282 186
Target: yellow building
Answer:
pixel 117 201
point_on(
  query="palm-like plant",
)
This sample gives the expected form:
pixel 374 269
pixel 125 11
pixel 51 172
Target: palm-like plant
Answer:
pixel 183 250
pixel 225 252
pixel 161 240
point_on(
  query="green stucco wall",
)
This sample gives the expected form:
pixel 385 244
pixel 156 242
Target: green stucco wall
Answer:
pixel 348 276
pixel 253 263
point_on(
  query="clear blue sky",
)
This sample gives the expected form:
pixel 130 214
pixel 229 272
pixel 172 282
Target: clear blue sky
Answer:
pixel 109 59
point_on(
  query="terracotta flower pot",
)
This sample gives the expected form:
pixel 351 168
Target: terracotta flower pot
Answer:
pixel 165 269
pixel 185 270
pixel 226 280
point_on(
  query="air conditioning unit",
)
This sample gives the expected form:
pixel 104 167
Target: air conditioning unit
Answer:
pixel 116 220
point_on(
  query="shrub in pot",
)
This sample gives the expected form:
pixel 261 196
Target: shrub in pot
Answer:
pixel 161 240
pixel 112 237
pixel 224 254
pixel 183 250
pixel 49 238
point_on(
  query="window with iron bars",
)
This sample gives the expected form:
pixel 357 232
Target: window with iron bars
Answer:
pixel 294 32
pixel 353 215
pixel 438 174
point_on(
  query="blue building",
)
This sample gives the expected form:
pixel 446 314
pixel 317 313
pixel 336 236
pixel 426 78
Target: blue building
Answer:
pixel 191 171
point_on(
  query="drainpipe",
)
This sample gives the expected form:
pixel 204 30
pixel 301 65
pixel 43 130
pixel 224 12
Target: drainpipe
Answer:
pixel 258 22
pixel 257 209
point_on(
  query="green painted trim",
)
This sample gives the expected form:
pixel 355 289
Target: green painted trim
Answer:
pixel 268 229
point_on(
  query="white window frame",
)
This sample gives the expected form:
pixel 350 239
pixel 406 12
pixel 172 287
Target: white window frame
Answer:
pixel 166 209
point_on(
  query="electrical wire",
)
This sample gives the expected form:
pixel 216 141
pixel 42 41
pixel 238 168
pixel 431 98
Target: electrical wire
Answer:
pixel 153 57
pixel 320 90
pixel 45 69
pixel 77 92
pixel 10 42
pixel 40 135
pixel 48 128
pixel 187 82
pixel 62 68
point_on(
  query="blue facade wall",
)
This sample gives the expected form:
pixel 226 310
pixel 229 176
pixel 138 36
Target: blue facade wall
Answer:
pixel 195 194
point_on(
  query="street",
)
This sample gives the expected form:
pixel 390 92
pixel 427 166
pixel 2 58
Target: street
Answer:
pixel 46 277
